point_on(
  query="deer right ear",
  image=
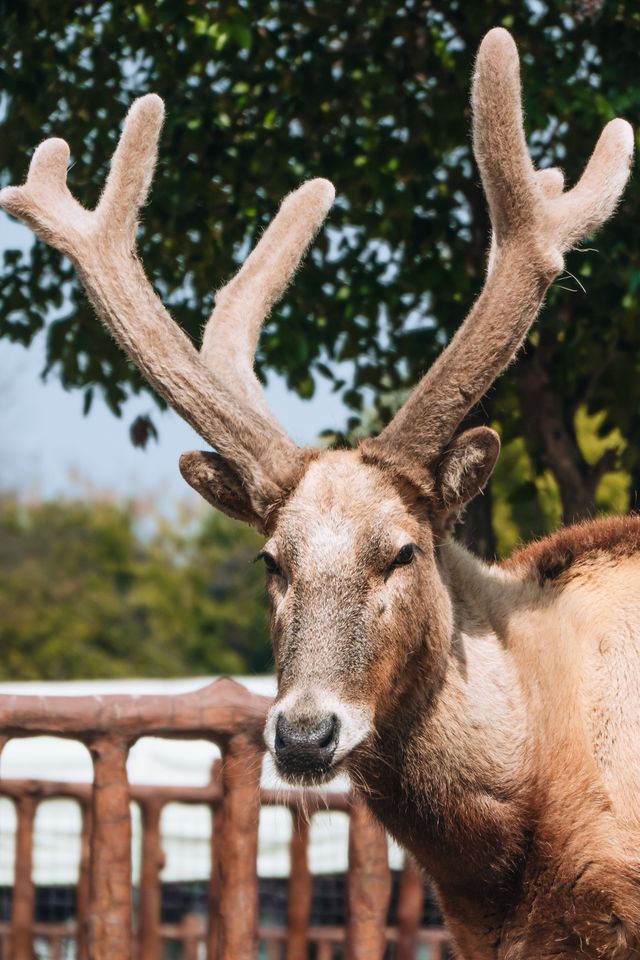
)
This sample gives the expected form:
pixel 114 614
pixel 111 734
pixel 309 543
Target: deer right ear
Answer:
pixel 219 484
pixel 465 467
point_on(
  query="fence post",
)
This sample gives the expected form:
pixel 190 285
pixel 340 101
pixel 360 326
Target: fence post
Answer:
pixel 24 895
pixel 410 907
pixel 369 886
pixel 300 890
pixel 213 893
pixel 238 849
pixel 84 882
pixel 150 909
pixel 109 921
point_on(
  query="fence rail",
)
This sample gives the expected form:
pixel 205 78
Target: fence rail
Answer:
pixel 231 717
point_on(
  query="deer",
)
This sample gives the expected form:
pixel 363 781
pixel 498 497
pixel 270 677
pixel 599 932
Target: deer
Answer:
pixel 488 713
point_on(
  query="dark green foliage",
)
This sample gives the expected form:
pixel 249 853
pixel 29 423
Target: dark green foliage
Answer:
pixel 263 95
pixel 84 593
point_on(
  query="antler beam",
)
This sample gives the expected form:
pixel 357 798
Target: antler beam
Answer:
pixel 215 392
pixel 534 223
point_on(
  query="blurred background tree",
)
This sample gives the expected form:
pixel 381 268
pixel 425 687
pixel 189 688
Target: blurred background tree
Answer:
pixel 87 590
pixel 264 94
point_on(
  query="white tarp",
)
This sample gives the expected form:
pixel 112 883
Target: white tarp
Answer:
pixel 186 829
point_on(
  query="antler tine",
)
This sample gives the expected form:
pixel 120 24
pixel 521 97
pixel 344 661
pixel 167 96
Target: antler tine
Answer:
pixel 596 195
pixel 499 142
pixel 44 201
pixel 132 166
pixel 102 246
pixel 533 224
pixel 231 335
pixel 47 205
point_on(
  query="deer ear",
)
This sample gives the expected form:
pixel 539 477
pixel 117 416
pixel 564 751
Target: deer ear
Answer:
pixel 220 485
pixel 465 466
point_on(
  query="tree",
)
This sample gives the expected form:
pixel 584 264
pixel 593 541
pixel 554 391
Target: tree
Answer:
pixel 374 96
pixel 84 592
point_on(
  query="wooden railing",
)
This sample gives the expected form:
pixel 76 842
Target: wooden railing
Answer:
pixel 230 716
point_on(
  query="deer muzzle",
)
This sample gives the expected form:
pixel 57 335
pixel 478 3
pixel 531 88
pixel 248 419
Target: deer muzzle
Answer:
pixel 310 733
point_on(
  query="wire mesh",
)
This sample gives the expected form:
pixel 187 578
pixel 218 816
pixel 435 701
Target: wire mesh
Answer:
pixel 46 758
pixel 186 840
pixel 56 844
pixel 185 833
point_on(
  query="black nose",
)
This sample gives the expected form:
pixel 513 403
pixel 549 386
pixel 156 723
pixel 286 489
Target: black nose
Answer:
pixel 306 746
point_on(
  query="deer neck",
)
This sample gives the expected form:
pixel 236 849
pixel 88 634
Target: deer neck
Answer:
pixel 448 773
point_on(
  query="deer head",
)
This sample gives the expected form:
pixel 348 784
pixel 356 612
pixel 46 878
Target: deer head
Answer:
pixel 358 599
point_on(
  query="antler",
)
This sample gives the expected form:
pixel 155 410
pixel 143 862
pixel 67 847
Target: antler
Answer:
pixel 231 335
pixel 534 223
pixel 216 392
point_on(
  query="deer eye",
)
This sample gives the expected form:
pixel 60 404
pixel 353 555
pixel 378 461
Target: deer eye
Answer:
pixel 404 556
pixel 270 562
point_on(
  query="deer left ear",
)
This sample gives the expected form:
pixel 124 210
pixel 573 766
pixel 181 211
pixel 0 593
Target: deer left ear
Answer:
pixel 465 466
pixel 219 484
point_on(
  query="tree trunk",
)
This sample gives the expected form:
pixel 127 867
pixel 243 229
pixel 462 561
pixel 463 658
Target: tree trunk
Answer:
pixel 475 529
pixel 634 480
pixel 550 434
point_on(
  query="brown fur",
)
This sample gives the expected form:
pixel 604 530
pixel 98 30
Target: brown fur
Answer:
pixel 489 714
pixel 557 557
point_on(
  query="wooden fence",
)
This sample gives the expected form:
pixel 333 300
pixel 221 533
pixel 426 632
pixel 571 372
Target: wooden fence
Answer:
pixel 230 716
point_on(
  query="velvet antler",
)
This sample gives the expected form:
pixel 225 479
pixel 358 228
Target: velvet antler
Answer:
pixel 256 460
pixel 231 335
pixel 534 223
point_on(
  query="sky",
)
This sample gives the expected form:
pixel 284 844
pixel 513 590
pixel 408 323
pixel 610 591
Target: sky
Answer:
pixel 48 448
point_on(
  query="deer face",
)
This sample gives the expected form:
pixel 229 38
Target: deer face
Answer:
pixel 355 596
